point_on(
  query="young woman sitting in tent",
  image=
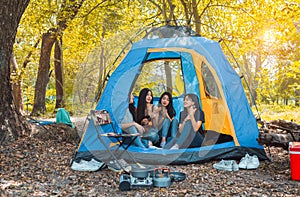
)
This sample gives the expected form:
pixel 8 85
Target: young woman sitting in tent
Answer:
pixel 170 123
pixel 130 126
pixel 191 119
pixel 148 116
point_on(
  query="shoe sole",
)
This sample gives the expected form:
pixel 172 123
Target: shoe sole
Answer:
pixel 252 168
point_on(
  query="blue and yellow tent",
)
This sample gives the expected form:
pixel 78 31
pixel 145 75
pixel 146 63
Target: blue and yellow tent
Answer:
pixel 182 64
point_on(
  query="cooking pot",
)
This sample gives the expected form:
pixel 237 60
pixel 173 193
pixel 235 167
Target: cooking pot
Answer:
pixel 140 172
pixel 161 177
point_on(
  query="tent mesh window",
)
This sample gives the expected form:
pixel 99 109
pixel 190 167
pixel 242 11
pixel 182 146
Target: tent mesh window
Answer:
pixel 160 76
pixel 211 87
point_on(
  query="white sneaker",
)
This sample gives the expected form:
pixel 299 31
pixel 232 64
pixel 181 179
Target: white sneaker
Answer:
pixel 228 165
pixel 235 166
pixel 249 162
pixel 97 163
pixel 253 163
pixel 84 166
pixel 244 161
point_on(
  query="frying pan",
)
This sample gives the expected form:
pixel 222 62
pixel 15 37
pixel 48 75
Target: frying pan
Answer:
pixel 177 176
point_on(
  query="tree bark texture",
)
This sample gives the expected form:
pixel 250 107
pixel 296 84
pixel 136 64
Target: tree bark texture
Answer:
pixel 16 86
pixel 39 106
pixel 102 71
pixel 197 17
pixel 186 11
pixel 258 64
pixel 58 67
pixel 168 77
pixel 10 120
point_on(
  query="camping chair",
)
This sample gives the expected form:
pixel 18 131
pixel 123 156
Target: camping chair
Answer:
pixel 102 118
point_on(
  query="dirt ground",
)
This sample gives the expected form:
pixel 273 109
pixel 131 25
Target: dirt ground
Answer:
pixel 34 167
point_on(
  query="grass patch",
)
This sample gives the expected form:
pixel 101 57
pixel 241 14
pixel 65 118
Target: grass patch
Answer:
pixel 278 112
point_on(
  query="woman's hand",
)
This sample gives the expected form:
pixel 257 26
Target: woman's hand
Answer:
pixel 156 110
pixel 167 115
pixel 154 114
pixel 164 112
pixel 139 127
pixel 191 116
pixel 191 111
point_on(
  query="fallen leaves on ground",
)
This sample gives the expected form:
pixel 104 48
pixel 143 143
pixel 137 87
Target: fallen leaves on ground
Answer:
pixel 33 167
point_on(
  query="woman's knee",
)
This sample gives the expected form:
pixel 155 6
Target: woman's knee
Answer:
pixel 131 130
pixel 167 122
pixel 153 135
pixel 174 127
pixel 174 122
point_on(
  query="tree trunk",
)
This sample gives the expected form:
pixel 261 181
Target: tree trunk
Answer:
pixel 258 64
pixel 297 97
pixel 102 69
pixel 186 11
pixel 16 86
pixel 168 77
pixel 10 120
pixel 248 79
pixel 42 80
pixel 59 82
pixel 196 17
pixel 171 12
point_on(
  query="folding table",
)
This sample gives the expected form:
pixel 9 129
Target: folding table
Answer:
pixel 101 118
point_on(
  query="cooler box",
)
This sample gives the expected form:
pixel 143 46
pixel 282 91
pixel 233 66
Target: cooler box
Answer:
pixel 294 150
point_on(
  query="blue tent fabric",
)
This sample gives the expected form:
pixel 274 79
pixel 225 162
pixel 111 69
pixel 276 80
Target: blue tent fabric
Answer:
pixel 63 116
pixel 190 78
pixel 118 85
pixel 115 100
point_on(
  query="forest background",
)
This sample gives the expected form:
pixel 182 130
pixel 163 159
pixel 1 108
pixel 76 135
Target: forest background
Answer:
pixel 64 50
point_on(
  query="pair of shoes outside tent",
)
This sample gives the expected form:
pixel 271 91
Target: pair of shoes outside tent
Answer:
pixel 228 165
pixel 249 162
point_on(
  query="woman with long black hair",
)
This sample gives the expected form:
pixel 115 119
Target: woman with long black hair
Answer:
pixel 170 123
pixel 147 115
